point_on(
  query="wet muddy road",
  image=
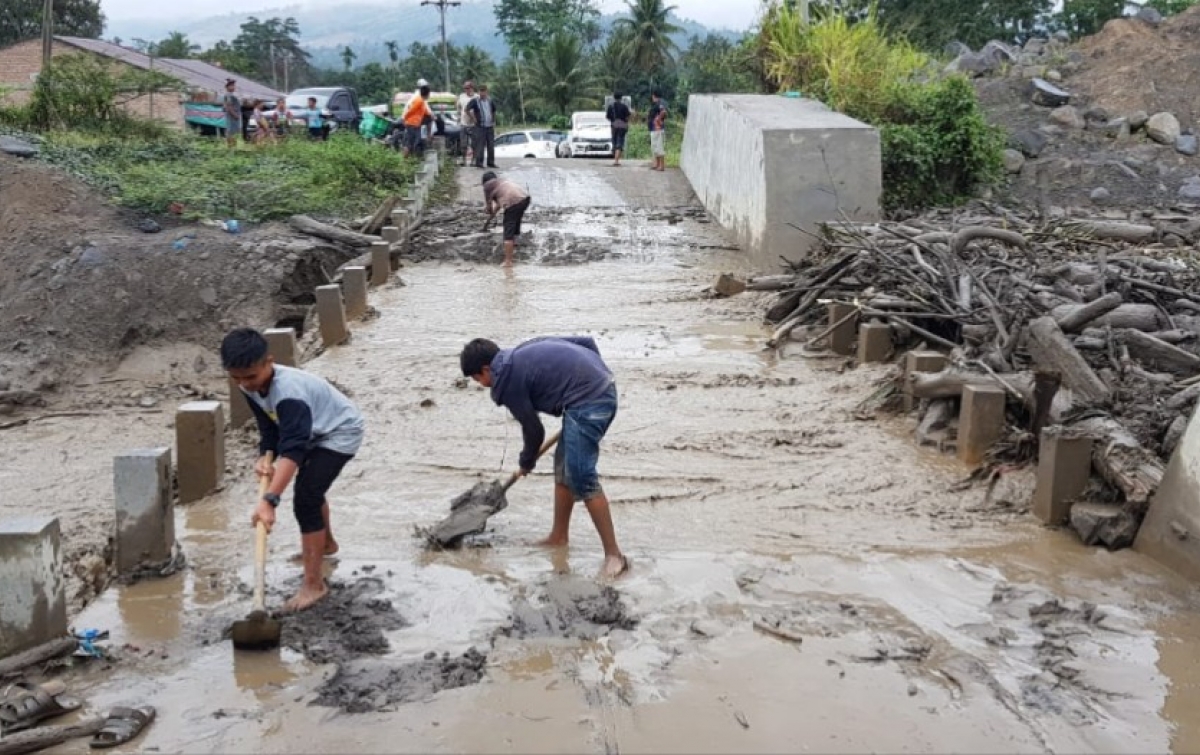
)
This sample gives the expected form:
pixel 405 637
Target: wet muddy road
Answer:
pixel 804 579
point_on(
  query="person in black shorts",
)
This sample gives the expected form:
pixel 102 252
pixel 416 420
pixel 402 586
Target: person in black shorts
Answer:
pixel 502 194
pixel 618 114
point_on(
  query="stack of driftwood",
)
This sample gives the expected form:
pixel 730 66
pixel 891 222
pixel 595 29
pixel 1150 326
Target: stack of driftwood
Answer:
pixel 1089 324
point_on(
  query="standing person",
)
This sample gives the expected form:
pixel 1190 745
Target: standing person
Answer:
pixel 416 115
pixel 262 129
pixel 466 121
pixel 483 108
pixel 232 106
pixel 656 121
pixel 618 114
pixel 562 377
pixel 502 194
pixel 314 119
pixel 312 430
pixel 281 118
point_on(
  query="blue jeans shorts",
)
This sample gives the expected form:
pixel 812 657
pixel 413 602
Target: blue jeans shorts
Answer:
pixel 577 453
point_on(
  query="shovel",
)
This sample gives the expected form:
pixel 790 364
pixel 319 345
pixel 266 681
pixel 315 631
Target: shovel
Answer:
pixel 258 631
pixel 488 223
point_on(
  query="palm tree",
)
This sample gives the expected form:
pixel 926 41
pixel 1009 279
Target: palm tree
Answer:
pixel 475 64
pixel 613 63
pixel 560 77
pixel 176 45
pixel 348 57
pixel 393 50
pixel 649 44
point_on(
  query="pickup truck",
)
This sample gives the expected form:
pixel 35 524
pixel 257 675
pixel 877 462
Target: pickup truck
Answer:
pixel 339 103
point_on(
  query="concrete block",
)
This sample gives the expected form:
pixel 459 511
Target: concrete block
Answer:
pixel 920 361
pixel 760 163
pixel 381 263
pixel 145 514
pixel 354 288
pixel 199 449
pixel 33 601
pixel 1170 533
pixel 331 313
pixel 281 344
pixel 874 342
pixel 390 234
pixel 239 408
pixel 400 220
pixel 841 340
pixel 1064 465
pixel 980 421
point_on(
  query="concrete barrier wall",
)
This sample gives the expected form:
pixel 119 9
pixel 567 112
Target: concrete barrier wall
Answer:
pixel 1170 533
pixel 762 162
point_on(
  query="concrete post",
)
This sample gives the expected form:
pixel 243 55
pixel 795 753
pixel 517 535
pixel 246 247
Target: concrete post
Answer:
pixel 199 449
pixel 239 408
pixel 281 344
pixel 920 361
pixel 354 287
pixel 331 313
pixel 390 234
pixel 33 601
pixel 980 421
pixel 841 340
pixel 381 263
pixel 400 220
pixel 874 342
pixel 145 516
pixel 1064 466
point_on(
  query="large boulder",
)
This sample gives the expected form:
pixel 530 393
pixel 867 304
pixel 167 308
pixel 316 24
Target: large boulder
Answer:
pixel 972 64
pixel 1029 141
pixel 1013 161
pixel 1187 144
pixel 1104 524
pixel 1138 119
pixel 998 54
pixel 1046 94
pixel 1149 15
pixel 1163 128
pixel 1067 116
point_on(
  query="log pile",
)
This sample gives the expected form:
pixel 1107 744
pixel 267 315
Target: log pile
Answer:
pixel 1106 311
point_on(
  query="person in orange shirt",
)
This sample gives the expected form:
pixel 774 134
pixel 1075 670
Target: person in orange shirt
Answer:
pixel 417 114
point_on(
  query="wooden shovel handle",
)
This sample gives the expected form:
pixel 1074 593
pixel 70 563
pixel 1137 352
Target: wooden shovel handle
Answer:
pixel 541 452
pixel 260 549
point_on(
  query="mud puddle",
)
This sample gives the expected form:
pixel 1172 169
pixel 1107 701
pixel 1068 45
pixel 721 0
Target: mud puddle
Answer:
pixel 374 686
pixel 569 607
pixel 350 622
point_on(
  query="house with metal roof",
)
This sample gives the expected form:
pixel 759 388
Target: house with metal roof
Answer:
pixel 202 82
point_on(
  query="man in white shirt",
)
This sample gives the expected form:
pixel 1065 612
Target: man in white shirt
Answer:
pixel 466 120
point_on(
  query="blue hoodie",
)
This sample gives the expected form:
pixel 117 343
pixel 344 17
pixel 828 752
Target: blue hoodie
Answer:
pixel 547 375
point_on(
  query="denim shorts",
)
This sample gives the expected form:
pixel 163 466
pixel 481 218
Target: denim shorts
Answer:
pixel 577 453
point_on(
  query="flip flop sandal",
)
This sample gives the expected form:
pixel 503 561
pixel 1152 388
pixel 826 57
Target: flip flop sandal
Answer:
pixel 24 705
pixel 122 725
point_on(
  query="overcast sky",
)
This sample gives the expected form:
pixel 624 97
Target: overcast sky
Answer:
pixel 735 14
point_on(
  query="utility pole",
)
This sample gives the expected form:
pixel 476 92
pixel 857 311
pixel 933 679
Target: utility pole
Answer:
pixel 47 32
pixel 441 6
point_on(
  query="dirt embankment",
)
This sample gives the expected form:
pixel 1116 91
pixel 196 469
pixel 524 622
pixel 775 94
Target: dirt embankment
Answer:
pixel 81 285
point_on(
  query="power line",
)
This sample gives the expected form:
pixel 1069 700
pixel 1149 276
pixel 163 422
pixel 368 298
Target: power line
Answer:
pixel 441 6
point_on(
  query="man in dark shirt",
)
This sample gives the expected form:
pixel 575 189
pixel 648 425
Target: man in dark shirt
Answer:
pixel 562 377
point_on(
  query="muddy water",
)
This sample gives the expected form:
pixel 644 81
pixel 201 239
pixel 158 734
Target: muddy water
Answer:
pixel 804 579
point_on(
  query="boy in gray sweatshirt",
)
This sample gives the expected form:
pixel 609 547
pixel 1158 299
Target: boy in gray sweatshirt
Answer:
pixel 312 430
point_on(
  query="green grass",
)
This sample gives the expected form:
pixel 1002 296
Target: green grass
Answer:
pixel 637 142
pixel 345 176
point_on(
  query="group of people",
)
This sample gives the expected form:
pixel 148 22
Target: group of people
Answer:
pixel 309 431
pixel 273 125
pixel 619 114
pixel 477 118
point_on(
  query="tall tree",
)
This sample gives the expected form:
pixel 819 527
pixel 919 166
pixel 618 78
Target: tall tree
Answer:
pixel 715 65
pixel 423 62
pixel 22 19
pixel 526 24
pixel 649 31
pixel 560 78
pixel 932 24
pixel 475 64
pixel 1083 17
pixel 273 49
pixel 176 45
pixel 348 57
pixel 222 54
pixel 613 65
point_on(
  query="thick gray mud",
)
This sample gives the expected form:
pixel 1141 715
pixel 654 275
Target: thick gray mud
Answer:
pixel 348 624
pixel 369 686
pixel 469 513
pixel 569 607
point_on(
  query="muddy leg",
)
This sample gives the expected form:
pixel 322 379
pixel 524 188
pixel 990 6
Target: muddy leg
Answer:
pixel 314 588
pixel 564 504
pixel 508 252
pixel 614 560
pixel 331 546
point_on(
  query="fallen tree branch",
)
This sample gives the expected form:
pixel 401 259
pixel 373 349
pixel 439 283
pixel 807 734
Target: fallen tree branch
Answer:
pixel 306 225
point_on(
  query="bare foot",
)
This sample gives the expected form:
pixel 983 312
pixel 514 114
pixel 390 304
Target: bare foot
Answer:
pixel 614 566
pixel 552 542
pixel 305 598
pixel 331 551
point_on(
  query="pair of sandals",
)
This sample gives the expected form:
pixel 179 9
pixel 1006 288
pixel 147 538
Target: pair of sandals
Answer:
pixel 24 705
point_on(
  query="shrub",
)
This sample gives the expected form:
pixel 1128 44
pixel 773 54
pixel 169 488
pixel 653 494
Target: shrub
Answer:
pixel 81 92
pixel 936 145
pixel 560 122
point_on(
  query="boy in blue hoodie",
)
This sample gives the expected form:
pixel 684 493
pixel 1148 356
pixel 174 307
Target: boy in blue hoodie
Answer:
pixel 562 377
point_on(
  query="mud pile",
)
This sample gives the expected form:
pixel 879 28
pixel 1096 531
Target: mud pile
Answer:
pixel 469 513
pixel 570 607
pixel 366 686
pixel 348 624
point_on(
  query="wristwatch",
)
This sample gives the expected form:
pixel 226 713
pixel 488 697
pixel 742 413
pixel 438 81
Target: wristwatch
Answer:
pixel 271 498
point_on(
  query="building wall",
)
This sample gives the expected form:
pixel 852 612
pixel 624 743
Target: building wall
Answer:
pixel 763 163
pixel 21 63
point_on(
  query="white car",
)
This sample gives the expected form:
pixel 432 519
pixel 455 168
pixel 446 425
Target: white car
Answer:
pixel 591 135
pixel 521 144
